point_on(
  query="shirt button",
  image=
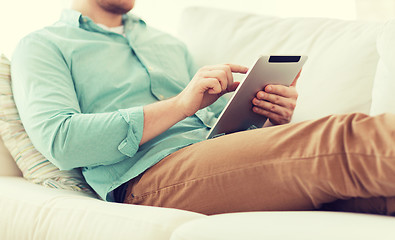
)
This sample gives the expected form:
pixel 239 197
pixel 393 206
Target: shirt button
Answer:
pixel 150 68
pixel 161 97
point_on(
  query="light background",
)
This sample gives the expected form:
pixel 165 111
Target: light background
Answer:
pixel 19 17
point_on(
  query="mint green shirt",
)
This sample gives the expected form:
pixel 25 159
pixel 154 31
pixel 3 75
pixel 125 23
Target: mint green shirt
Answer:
pixel 80 92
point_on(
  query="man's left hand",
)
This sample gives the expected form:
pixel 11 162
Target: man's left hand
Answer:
pixel 276 102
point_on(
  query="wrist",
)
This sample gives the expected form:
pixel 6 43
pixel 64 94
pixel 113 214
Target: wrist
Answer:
pixel 179 107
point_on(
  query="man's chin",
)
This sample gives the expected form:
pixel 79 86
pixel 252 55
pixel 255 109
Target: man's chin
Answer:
pixel 118 9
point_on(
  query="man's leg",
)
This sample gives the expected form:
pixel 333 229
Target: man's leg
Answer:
pixel 375 205
pixel 291 167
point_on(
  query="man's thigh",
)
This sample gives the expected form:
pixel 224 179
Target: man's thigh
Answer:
pixel 291 167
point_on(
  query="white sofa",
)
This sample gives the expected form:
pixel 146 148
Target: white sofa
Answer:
pixel 339 77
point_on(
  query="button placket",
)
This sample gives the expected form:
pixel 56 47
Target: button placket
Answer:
pixel 150 70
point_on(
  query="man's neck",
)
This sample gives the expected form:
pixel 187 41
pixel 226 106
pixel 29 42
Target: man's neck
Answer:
pixel 97 14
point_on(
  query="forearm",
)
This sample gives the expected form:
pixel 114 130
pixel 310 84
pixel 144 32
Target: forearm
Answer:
pixel 160 116
pixel 86 140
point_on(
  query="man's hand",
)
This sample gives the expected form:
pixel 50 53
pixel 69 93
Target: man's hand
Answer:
pixel 276 102
pixel 208 84
pixel 205 88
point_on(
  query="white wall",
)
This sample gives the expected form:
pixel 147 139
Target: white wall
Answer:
pixel 19 17
pixel 375 10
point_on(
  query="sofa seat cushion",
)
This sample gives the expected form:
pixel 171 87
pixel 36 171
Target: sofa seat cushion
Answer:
pixel 338 76
pixel 288 225
pixel 30 211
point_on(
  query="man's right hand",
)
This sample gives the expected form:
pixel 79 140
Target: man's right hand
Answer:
pixel 205 88
pixel 208 84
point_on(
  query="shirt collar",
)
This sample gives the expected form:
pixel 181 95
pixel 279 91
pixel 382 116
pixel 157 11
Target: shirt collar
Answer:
pixel 132 18
pixel 71 17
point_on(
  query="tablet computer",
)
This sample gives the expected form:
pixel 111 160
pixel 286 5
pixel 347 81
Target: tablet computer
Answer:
pixel 238 114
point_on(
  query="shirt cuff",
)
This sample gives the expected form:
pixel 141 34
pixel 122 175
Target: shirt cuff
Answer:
pixel 134 117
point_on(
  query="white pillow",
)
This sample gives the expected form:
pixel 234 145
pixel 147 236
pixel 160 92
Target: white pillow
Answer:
pixel 383 96
pixel 34 166
pixel 338 76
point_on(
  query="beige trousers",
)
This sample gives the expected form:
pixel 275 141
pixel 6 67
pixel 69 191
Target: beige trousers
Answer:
pixel 291 167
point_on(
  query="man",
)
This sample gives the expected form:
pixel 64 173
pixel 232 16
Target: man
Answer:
pixel 103 92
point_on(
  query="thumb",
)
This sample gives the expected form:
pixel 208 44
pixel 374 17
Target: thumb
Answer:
pixel 233 86
pixel 293 84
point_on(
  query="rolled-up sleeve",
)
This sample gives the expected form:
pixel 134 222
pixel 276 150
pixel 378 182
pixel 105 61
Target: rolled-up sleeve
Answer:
pixel 135 118
pixel 47 102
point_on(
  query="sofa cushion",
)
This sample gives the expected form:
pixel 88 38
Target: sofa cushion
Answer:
pixel 383 97
pixel 34 166
pixel 288 225
pixel 30 211
pixel 338 76
pixel 8 166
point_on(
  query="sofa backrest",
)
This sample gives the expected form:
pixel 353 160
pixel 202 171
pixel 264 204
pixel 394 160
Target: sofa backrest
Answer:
pixel 338 75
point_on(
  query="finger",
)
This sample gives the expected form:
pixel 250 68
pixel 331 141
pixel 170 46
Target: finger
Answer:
pixel 274 117
pixel 223 67
pixel 220 75
pixel 271 107
pixel 229 74
pixel 237 68
pixel 283 115
pixel 233 68
pixel 296 79
pixel 289 103
pixel 233 87
pixel 284 91
pixel 211 85
pixel 226 69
